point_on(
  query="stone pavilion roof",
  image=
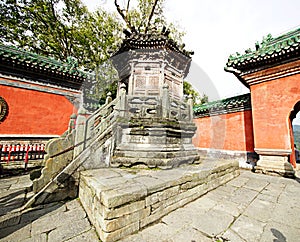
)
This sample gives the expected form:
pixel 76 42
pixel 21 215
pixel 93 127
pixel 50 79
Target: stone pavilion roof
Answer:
pixel 17 62
pixel 268 53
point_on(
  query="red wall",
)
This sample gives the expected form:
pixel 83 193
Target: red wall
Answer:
pixel 272 103
pixel 33 112
pixel 231 131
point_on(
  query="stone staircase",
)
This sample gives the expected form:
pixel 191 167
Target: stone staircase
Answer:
pixel 88 146
pixel 135 133
pixel 154 132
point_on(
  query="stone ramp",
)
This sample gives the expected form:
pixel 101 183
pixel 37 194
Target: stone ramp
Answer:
pixel 120 202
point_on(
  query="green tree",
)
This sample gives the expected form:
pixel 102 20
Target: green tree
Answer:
pixel 63 28
pixel 148 16
pixel 189 90
pixel 60 28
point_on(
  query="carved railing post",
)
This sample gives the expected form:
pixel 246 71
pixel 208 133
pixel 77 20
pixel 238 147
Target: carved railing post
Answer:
pixel 80 131
pixel 165 101
pixel 108 98
pixel 123 100
pixel 191 104
pixel 72 122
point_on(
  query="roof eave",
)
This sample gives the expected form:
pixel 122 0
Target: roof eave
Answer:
pixel 237 73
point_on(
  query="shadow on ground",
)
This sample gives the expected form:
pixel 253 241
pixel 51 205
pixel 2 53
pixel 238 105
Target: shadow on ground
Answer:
pixel 279 237
pixel 12 222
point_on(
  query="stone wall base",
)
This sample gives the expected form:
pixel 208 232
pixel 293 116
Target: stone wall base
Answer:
pixel 275 165
pixel 120 202
pixel 246 159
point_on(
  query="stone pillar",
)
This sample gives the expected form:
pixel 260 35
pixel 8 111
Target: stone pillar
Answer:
pixel 191 104
pixel 108 98
pixel 122 100
pixel 274 162
pixel 72 122
pixel 80 131
pixel 165 101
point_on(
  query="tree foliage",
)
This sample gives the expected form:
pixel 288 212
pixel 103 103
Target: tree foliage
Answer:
pixel 147 16
pixel 60 28
pixel 189 90
pixel 64 28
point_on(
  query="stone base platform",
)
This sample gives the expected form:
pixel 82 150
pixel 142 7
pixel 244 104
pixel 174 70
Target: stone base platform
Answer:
pixel 120 202
pixel 275 165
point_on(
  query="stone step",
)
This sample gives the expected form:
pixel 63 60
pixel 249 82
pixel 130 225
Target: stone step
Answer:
pixel 120 202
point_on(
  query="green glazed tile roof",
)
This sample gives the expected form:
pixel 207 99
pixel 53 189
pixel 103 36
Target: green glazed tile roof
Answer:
pixel 224 106
pixel 26 64
pixel 267 53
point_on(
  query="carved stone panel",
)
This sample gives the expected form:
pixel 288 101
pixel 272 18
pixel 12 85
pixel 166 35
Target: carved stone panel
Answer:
pixel 3 109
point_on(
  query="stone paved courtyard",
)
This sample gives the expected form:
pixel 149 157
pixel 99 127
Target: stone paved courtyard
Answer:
pixel 252 207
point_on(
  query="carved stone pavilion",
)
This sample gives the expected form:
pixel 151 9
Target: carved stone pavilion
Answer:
pixel 157 129
pixel 148 125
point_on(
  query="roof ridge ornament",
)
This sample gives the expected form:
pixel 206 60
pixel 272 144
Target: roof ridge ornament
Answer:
pixel 266 53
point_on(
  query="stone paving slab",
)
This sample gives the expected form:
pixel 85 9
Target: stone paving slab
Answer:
pixel 64 221
pixel 252 207
pixel 270 212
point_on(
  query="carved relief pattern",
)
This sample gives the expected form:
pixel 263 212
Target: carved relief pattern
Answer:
pixel 3 109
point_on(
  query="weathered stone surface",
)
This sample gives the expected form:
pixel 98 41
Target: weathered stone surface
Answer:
pixel 282 225
pixel 243 196
pixel 89 236
pixel 101 173
pixel 124 210
pixel 118 234
pixel 185 215
pixel 238 182
pixel 161 196
pixel 48 223
pixel 37 238
pixel 9 219
pixel 213 222
pixel 260 210
pixel 287 214
pixel 69 230
pixel 272 190
pixel 42 211
pixel 151 183
pixel 17 232
pixel 118 223
pixel 257 185
pixel 249 229
pixel 231 235
pixel 123 195
pixel 127 196
pixel 56 164
pixel 189 234
pixel 275 231
pixel 228 207
pixel 157 232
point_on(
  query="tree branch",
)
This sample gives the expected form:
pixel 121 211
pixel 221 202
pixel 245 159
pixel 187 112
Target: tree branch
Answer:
pixel 151 15
pixel 127 9
pixel 125 17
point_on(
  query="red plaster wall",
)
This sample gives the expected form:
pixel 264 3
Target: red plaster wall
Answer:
pixel 272 103
pixel 232 131
pixel 34 112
